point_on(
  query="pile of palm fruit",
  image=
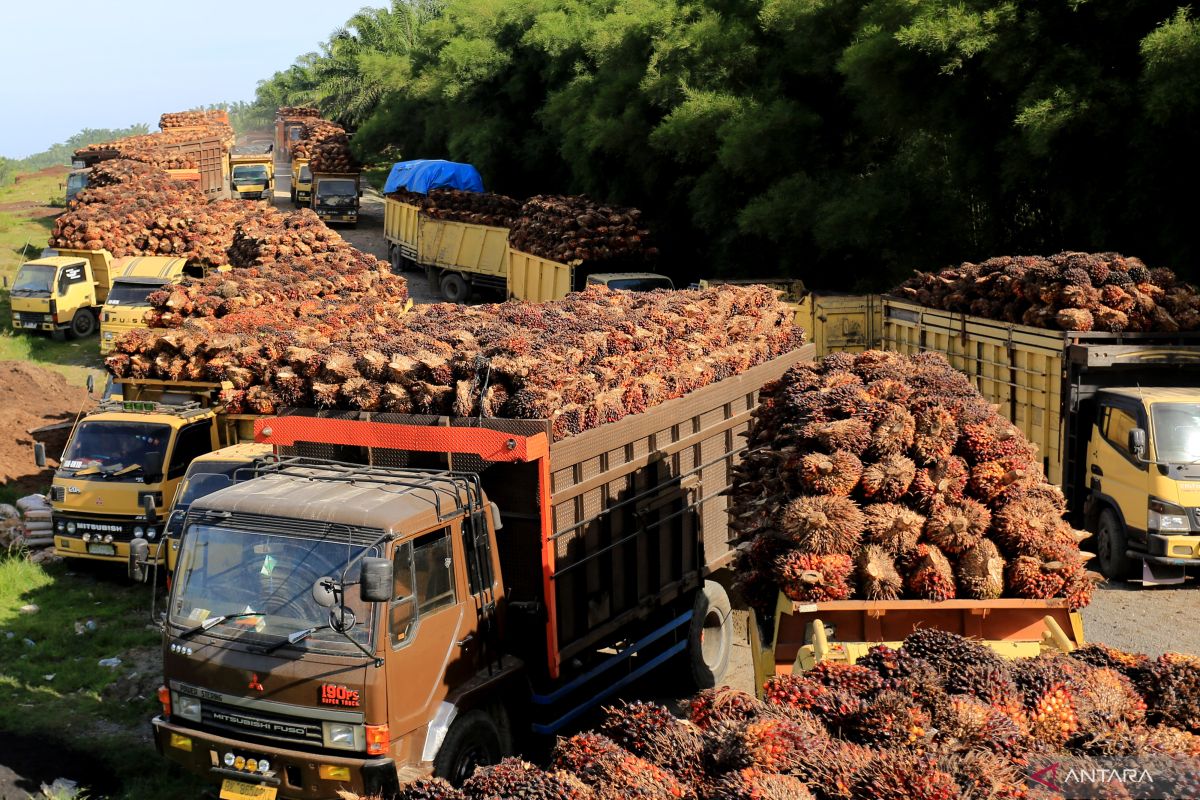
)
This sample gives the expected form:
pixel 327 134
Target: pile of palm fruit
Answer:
pixel 172 148
pixel 577 230
pixel 879 476
pixel 309 334
pixel 1072 291
pixel 940 718
pixel 316 132
pixel 193 119
pixel 298 111
pixel 477 208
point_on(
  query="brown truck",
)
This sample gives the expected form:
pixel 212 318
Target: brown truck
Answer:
pixel 393 595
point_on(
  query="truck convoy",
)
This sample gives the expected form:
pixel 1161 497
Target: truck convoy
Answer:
pixel 1123 447
pixel 405 611
pixel 252 175
pixel 459 257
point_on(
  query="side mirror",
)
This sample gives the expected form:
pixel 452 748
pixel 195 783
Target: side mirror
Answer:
pixel 39 455
pixel 139 555
pixel 323 593
pixel 1137 443
pixel 91 383
pixel 5 281
pixel 149 508
pixel 375 580
pixel 497 522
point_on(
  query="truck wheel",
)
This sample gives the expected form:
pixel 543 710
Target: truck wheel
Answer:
pixel 1111 544
pixel 395 259
pixel 83 324
pixel 472 741
pixel 454 288
pixel 710 636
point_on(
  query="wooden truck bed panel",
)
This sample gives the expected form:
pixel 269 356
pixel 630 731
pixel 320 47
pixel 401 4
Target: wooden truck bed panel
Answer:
pixel 462 246
pixel 538 279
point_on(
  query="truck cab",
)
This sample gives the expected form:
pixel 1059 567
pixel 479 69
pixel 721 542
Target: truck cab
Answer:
pixel 77 180
pixel 60 294
pixel 1143 467
pixel 252 176
pixel 126 305
pixel 330 627
pixel 631 281
pixel 206 474
pixel 335 197
pixel 122 453
pixel 302 183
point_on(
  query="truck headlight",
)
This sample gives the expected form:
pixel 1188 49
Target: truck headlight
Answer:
pixel 70 527
pixel 47 318
pixel 339 735
pixel 151 533
pixel 138 530
pixel 1167 517
pixel 61 526
pixel 185 706
pixel 108 335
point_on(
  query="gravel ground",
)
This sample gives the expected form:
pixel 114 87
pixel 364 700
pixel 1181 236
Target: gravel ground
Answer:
pixel 1148 620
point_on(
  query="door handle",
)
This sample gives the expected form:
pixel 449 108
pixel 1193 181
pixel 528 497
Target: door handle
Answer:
pixel 1096 470
pixel 466 640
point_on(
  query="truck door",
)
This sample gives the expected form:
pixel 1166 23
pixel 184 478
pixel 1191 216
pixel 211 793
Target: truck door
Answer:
pixel 75 288
pixel 194 439
pixel 1113 468
pixel 423 629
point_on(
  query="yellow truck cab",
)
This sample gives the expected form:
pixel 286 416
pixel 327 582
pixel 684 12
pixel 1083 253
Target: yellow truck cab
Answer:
pixel 1144 467
pixel 77 181
pixel 206 474
pixel 134 279
pixel 61 294
pixel 335 197
pixel 302 183
pixel 126 451
pixel 252 173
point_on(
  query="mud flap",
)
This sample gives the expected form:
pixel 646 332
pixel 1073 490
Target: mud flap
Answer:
pixel 1162 571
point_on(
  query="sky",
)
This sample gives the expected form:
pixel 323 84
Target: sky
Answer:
pixel 74 64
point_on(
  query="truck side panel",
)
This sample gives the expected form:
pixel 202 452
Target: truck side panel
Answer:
pixel 462 246
pixel 844 323
pixel 400 226
pixel 1017 367
pixel 538 279
pixel 639 517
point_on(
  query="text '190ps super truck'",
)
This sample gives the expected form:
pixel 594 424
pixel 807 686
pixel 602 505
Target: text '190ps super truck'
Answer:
pixel 442 585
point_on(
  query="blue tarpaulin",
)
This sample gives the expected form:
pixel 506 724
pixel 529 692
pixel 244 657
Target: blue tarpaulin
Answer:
pixel 422 175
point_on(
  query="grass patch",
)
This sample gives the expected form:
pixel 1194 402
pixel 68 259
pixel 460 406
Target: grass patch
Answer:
pixel 74 359
pixel 23 236
pixel 100 723
pixel 374 175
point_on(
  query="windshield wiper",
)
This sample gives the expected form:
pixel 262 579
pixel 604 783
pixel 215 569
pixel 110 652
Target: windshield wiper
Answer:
pixel 293 638
pixel 213 622
pixel 128 469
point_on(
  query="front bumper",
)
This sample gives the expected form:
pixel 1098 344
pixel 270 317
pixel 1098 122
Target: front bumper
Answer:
pixel 74 547
pixel 30 322
pixel 303 196
pixel 293 772
pixel 1173 546
pixel 258 195
pixel 330 216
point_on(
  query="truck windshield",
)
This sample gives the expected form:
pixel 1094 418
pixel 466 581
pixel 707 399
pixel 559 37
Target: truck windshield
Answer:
pixel 76 182
pixel 305 175
pixel 337 192
pixel 223 571
pixel 1177 432
pixel 131 293
pixel 103 447
pixel 641 284
pixel 34 280
pixel 250 173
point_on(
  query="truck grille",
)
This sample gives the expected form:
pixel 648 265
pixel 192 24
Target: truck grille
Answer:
pixel 255 723
pixel 29 316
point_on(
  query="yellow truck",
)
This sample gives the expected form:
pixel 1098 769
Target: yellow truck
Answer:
pixel 252 172
pixel 61 294
pixel 124 462
pixel 302 183
pixel 1116 416
pixel 133 281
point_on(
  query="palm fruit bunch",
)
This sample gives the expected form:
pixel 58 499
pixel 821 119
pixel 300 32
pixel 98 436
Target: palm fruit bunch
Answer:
pixel 942 717
pixel 331 330
pixel 882 477
pixel 477 208
pixel 576 230
pixel 1070 291
pixel 193 119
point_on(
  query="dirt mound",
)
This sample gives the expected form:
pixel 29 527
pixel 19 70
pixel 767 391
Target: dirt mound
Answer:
pixel 32 397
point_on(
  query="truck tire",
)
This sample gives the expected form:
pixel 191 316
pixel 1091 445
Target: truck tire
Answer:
pixel 83 324
pixel 454 288
pixel 395 259
pixel 710 636
pixel 1111 544
pixel 472 741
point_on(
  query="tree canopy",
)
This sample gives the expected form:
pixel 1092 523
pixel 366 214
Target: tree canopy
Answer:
pixel 845 143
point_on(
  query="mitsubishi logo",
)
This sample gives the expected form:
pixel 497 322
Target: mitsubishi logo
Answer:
pixel 99 501
pixel 254 682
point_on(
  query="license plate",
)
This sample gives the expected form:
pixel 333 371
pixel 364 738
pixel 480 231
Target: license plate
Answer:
pixel 29 324
pixel 102 549
pixel 240 790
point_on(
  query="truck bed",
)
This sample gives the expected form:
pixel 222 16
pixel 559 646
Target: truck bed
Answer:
pixel 600 529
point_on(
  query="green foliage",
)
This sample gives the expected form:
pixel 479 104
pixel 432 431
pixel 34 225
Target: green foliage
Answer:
pixel 61 153
pixel 845 143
